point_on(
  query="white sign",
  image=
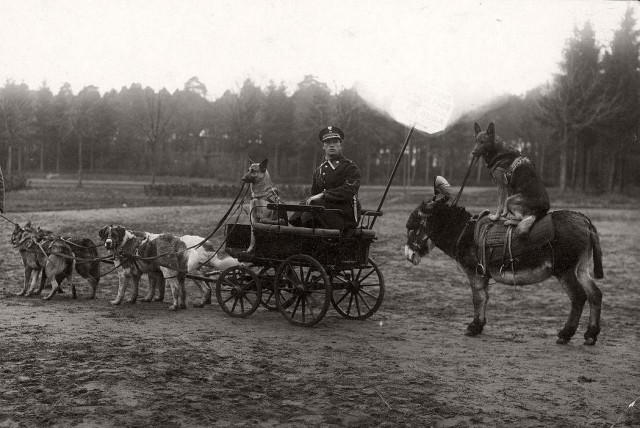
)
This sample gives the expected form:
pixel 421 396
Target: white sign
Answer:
pixel 426 107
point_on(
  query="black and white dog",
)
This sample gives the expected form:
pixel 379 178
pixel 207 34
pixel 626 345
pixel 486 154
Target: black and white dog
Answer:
pixel 160 256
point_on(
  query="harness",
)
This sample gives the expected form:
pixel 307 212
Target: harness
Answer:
pixel 507 172
pixel 496 244
pixel 270 195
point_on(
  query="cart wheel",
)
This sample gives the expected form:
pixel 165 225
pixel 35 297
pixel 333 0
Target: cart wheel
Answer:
pixel 238 291
pixel 302 290
pixel 267 277
pixel 357 292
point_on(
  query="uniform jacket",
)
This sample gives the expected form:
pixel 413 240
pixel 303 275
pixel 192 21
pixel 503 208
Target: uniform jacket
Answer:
pixel 339 180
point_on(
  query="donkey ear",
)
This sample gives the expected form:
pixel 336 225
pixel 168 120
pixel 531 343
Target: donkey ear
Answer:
pixel 491 130
pixel 441 188
pixel 477 128
pixel 263 165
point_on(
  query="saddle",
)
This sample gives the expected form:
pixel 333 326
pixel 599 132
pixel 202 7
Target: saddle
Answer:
pixel 497 244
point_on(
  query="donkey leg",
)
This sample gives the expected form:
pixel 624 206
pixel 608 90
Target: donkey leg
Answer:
pixel 594 297
pixel 578 297
pixel 480 294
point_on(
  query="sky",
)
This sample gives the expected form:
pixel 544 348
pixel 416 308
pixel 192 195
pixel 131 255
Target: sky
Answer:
pixel 466 51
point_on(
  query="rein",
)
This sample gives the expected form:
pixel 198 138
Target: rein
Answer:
pixel 472 164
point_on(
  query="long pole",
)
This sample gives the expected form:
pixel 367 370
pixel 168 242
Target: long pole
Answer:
pixel 393 173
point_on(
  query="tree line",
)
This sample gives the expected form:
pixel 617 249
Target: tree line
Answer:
pixel 580 129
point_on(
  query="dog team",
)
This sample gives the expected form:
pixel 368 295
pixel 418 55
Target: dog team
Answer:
pixel 162 257
pixel 522 199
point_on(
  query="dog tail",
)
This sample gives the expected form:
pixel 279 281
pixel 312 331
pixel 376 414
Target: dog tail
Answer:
pixel 598 271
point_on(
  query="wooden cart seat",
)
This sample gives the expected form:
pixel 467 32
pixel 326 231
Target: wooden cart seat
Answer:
pixel 274 228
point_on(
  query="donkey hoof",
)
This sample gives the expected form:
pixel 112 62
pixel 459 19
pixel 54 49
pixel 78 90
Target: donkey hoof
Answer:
pixel 590 341
pixel 159 299
pixel 146 299
pixel 473 331
pixel 562 341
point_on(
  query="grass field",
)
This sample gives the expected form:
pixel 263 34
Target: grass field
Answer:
pixel 110 191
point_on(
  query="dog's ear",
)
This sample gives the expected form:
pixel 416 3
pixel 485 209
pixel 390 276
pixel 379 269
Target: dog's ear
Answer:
pixel 263 165
pixel 119 231
pixel 102 233
pixel 476 128
pixel 491 130
pixel 251 162
pixel 28 225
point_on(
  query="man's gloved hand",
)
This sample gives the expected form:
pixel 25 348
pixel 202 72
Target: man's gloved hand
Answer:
pixel 314 198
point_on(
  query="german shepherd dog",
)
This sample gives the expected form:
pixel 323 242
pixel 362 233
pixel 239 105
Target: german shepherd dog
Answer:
pixel 135 253
pixel 521 193
pixel 41 251
pixel 263 192
pixel 85 254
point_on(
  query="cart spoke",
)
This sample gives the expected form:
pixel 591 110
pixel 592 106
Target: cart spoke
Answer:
pixel 238 291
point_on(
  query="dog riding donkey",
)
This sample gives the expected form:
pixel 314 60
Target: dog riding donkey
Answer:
pixel 522 200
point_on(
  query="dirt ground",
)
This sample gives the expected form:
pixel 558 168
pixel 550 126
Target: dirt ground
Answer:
pixel 87 363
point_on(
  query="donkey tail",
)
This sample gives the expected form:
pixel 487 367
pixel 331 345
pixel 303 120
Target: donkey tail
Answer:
pixel 598 272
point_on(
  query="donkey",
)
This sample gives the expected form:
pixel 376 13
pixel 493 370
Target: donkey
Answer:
pixel 436 223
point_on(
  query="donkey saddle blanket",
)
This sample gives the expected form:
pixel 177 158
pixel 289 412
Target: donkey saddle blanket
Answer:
pixel 496 241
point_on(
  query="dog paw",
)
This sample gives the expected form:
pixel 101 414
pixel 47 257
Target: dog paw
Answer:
pixel 114 302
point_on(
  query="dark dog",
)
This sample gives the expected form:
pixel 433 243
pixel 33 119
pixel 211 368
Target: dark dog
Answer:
pixel 42 252
pixel 85 256
pixel 521 192
pixel 263 192
pixel 136 253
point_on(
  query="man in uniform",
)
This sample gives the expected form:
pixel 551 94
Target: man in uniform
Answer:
pixel 335 186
